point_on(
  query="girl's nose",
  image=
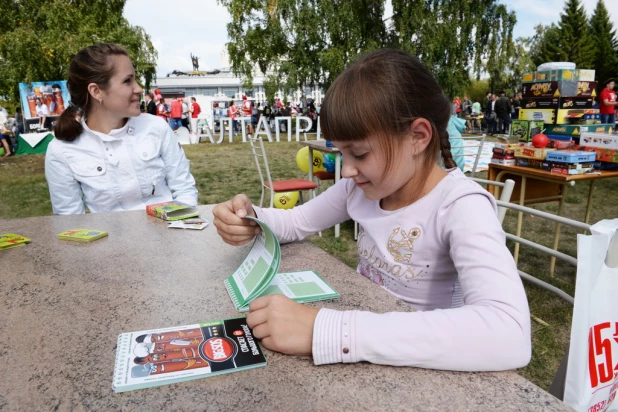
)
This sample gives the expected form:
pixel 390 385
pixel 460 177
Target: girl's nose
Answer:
pixel 348 170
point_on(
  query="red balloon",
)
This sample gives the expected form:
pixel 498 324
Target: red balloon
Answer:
pixel 540 141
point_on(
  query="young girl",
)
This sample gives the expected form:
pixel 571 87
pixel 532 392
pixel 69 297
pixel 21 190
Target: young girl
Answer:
pixel 107 155
pixel 428 236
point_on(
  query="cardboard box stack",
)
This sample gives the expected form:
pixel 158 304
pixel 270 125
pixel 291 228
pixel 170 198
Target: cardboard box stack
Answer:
pixel 561 104
pixel 564 101
pixel 605 147
pixel 566 162
pixel 504 154
pixel 570 162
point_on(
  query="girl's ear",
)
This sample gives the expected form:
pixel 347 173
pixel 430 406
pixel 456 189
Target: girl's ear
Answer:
pixel 95 92
pixel 421 134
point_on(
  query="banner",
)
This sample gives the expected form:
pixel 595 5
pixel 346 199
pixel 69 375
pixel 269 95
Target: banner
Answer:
pixel 53 94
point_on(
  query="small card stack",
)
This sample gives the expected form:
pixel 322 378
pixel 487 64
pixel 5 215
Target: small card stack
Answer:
pixel 173 210
pixel 82 235
pixel 11 240
pixel 194 223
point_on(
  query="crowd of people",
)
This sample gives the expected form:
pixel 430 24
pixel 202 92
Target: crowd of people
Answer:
pixel 180 112
pixel 492 116
pixel 184 112
pixel 271 110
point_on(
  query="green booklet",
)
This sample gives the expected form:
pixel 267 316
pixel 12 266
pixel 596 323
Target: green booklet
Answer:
pixel 257 276
pixel 11 240
pixel 82 235
pixel 170 355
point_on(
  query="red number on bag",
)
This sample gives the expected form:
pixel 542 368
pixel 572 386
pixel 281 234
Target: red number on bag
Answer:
pixel 602 372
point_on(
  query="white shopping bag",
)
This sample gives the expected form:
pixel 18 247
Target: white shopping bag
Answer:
pixel 592 372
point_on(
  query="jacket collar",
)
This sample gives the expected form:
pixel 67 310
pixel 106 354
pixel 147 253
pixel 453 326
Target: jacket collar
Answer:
pixel 113 135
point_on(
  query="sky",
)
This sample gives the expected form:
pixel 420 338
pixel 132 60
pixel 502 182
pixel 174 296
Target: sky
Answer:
pixel 180 27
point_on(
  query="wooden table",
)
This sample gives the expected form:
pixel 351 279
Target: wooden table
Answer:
pixel 538 186
pixel 64 303
pixel 470 119
pixel 320 145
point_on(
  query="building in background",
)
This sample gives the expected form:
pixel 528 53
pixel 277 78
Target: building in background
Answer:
pixel 225 85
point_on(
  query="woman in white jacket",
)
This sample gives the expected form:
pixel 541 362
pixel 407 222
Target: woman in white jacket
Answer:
pixel 107 155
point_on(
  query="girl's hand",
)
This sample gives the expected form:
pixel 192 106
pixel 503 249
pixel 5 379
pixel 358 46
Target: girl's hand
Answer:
pixel 229 221
pixel 282 324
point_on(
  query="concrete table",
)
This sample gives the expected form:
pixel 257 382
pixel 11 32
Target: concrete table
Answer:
pixel 64 303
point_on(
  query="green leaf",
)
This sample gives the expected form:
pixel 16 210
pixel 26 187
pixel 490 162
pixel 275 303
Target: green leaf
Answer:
pixel 40 38
pixel 298 43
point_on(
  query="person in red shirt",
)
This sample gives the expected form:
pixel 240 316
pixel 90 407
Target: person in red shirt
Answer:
pixel 161 110
pixel 246 112
pixel 607 103
pixel 232 113
pixel 195 112
pixel 176 114
pixel 457 104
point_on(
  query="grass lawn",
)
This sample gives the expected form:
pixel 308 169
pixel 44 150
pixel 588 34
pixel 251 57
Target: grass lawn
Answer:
pixel 221 171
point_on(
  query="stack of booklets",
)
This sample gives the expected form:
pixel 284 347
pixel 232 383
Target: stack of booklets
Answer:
pixel 170 355
pixel 173 210
pixel 82 235
pixel 11 240
pixel 179 215
pixel 257 276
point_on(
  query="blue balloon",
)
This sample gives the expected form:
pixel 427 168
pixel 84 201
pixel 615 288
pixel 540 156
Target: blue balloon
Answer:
pixel 329 165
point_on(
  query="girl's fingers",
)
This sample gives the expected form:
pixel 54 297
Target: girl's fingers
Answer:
pixel 225 213
pixel 261 331
pixel 267 342
pixel 259 303
pixel 257 318
pixel 236 230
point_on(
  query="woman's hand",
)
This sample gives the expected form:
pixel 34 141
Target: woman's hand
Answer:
pixel 229 221
pixel 282 324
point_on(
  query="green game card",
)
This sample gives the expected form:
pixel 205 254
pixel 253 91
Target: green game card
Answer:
pixel 257 276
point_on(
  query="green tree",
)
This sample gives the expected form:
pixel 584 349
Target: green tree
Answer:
pixel 40 37
pixel 447 35
pixel 300 42
pixel 499 42
pixel 539 44
pixel 476 90
pixel 307 42
pixel 573 40
pixel 518 62
pixel 603 35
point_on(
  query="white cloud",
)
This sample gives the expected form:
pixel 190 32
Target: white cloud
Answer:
pixel 533 12
pixel 181 27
